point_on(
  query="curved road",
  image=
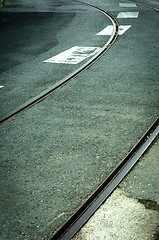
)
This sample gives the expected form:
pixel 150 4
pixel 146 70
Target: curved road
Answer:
pixel 56 153
pixel 30 38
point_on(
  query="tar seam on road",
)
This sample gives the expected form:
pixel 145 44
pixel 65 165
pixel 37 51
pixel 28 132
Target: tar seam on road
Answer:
pixel 83 214
pixel 74 74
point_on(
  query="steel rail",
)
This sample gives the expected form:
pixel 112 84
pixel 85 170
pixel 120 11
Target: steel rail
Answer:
pixel 82 215
pixel 74 74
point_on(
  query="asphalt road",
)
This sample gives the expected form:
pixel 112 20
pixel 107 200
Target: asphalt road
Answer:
pixel 56 153
pixel 28 38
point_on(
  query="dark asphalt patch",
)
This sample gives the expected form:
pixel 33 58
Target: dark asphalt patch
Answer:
pixel 24 36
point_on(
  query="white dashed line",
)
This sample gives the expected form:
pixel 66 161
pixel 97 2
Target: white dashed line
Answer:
pixel 127 5
pixel 109 30
pixel 1 86
pixel 74 55
pixel 128 15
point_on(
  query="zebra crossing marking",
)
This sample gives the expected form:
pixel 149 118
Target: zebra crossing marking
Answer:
pixel 109 30
pixel 128 15
pixel 74 55
pixel 127 5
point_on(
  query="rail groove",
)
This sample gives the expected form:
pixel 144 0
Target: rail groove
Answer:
pixel 74 74
pixel 76 221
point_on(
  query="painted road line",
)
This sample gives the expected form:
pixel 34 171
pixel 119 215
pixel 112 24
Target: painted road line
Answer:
pixel 74 55
pixel 109 29
pixel 1 86
pixel 127 5
pixel 128 15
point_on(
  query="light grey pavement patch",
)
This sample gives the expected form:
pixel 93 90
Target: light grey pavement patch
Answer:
pixel 120 217
pixel 109 30
pixel 128 15
pixel 143 181
pixel 74 55
pixel 132 211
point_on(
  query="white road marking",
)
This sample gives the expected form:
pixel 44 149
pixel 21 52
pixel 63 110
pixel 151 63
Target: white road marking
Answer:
pixel 127 5
pixel 106 31
pixel 128 15
pixel 1 86
pixel 109 30
pixel 74 55
pixel 123 28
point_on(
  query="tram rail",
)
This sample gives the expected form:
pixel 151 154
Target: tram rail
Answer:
pixel 83 214
pixel 76 221
pixel 74 74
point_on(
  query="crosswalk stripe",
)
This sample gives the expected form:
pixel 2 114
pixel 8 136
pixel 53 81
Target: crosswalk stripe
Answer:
pixel 127 5
pixel 128 15
pixel 109 30
pixel 73 55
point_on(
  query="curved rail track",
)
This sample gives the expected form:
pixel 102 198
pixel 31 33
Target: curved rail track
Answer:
pixel 65 80
pixel 75 223
pixel 72 226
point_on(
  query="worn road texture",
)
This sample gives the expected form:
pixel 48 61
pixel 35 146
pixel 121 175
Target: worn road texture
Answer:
pixel 56 153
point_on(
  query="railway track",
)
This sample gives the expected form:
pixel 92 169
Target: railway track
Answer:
pixel 75 223
pixel 83 214
pixel 74 74
pixel 72 226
